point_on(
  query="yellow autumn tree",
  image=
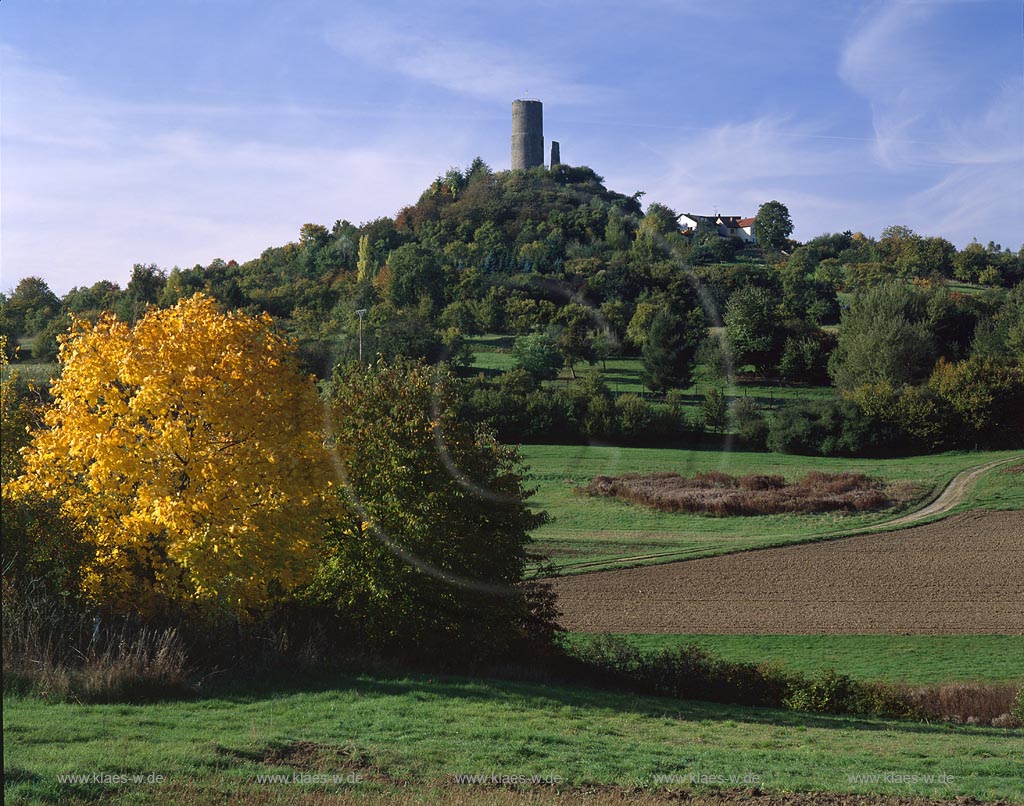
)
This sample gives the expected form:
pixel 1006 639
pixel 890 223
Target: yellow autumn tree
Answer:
pixel 189 448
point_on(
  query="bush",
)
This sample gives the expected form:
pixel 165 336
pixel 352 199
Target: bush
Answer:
pixel 636 417
pixel 428 541
pixel 688 672
pixel 714 410
pixel 1017 709
pixel 830 428
pixel 749 424
pixel 691 672
pixel 538 355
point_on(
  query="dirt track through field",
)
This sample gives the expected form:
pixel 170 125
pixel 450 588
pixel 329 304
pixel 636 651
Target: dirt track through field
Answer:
pixel 951 495
pixel 962 575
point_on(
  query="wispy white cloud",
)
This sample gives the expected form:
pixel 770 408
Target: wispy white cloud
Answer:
pixel 460 64
pixel 938 114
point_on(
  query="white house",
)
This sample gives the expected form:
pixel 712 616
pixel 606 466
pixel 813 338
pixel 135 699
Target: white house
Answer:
pixel 729 226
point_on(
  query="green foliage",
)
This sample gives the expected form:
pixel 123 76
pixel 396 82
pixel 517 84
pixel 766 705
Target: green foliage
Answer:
pixel 45 345
pixel 538 355
pixel 415 273
pixel 575 338
pixel 905 659
pixel 639 327
pixel 986 399
pixel 884 336
pixel 669 349
pixel 805 296
pixel 828 428
pixel 714 410
pixel 916 414
pixel 594 407
pixel 30 306
pixel 772 225
pixel 754 328
pixel 694 672
pixel 805 356
pixel 749 423
pixel 912 255
pixel 426 557
pixel 144 289
pixel 1000 337
pixel 1017 712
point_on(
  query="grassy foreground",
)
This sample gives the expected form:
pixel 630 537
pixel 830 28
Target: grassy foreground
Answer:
pixel 397 734
pixel 594 530
pixel 914 659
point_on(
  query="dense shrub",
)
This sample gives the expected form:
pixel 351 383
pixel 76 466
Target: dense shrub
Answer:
pixel 1017 709
pixel 688 672
pixel 831 692
pixel 692 672
pixel 884 336
pixel 985 399
pixel 429 537
pixel 830 428
pixel 749 423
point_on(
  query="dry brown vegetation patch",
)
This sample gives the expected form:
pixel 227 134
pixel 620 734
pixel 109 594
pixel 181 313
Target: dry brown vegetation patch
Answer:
pixel 722 495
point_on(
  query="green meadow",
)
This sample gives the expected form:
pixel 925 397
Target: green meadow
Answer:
pixel 422 732
pixel 585 531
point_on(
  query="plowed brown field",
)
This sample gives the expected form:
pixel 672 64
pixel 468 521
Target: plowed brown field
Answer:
pixel 961 575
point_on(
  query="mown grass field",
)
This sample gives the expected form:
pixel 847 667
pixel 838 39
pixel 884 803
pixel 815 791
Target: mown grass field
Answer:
pixel 419 733
pixel 585 529
pixel 913 659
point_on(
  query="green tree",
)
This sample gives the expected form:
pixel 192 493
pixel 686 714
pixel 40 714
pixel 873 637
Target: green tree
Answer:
pixel 639 327
pixel 538 354
pixel 143 289
pixel 970 262
pixel 714 410
pixel 365 268
pixel 575 339
pixel 31 305
pixel 427 552
pixel 987 398
pixel 415 273
pixel 45 345
pixel 670 349
pixel 884 336
pixel 772 225
pixel 754 329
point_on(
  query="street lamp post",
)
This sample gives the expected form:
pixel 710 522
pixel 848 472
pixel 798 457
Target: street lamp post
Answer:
pixel 361 313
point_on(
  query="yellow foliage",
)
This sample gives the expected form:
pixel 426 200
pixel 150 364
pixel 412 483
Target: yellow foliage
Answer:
pixel 189 446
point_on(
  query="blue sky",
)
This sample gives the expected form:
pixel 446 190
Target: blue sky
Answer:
pixel 182 131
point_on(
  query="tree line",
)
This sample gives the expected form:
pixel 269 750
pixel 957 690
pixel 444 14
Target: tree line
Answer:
pixel 581 274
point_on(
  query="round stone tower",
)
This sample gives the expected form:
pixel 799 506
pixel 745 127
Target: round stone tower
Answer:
pixel 527 134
